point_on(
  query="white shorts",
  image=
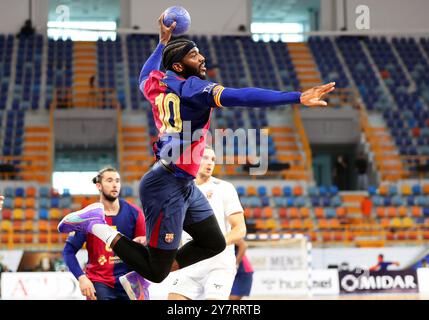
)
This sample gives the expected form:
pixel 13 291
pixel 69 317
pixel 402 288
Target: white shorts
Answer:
pixel 214 284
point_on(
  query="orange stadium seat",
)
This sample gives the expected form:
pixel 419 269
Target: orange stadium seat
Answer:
pixel 297 190
pixel 284 224
pixel 267 212
pixel 276 191
pixel 391 212
pixel 385 223
pixel 402 211
pixel 282 213
pixel 55 237
pixel 406 190
pixel 293 213
pixel 319 212
pixel 30 203
pixel 416 212
pixel 326 236
pixel 426 188
pixel 295 224
pixel 18 202
pixel 30 192
pixel 43 237
pixel 43 226
pixel 426 234
pixel 305 212
pixel 17 237
pixel 28 238
pixel 251 191
pixel 323 224
pixel 381 212
pixel 383 190
pixel 341 212
pixel 28 225
pixel 335 224
pixel 308 224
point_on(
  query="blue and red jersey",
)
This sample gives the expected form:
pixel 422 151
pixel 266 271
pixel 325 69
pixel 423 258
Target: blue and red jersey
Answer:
pixel 180 108
pixel 103 264
pixel 178 102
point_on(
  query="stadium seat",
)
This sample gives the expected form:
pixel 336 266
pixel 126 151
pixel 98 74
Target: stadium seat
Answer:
pixel 18 202
pixel 293 213
pixel 380 212
pixel 6 214
pixel 417 190
pixel 30 192
pixel 319 213
pixel 282 213
pixel 30 203
pixel 262 191
pixel 251 191
pixel 406 190
pixel 416 212
pixel 341 212
pixel 304 212
pixel 402 211
pixel 297 190
pixel 287 191
pixel 18 214
pixel 276 191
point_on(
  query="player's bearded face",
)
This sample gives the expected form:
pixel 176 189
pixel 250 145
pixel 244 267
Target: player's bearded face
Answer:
pixel 193 70
pixel 194 64
pixel 110 187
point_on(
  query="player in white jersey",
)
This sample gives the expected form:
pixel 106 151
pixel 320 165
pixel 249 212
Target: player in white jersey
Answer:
pixel 212 279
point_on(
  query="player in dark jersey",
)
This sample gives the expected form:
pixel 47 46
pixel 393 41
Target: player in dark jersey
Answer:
pixel 181 98
pixel 244 277
pixel 101 277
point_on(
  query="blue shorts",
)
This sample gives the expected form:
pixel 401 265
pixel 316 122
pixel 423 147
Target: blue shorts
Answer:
pixel 169 203
pixel 242 284
pixel 104 292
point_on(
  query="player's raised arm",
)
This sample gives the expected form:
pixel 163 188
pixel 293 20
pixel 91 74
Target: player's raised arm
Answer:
pixel 256 97
pixel 154 61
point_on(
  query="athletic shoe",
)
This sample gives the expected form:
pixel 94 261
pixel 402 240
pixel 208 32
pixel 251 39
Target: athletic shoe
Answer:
pixel 83 220
pixel 135 286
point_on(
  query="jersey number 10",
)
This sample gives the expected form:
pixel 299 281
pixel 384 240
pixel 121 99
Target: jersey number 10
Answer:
pixel 163 101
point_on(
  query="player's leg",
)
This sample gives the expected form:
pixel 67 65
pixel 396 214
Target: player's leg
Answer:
pixel 242 285
pixel 187 285
pixel 201 224
pixel 218 284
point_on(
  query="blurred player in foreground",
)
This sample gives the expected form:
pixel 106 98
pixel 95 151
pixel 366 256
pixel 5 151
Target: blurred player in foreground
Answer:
pixel 244 277
pixel 172 203
pixel 101 279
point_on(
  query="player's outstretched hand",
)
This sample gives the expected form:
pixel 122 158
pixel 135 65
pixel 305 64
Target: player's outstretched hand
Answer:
pixel 164 31
pixel 141 240
pixel 312 97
